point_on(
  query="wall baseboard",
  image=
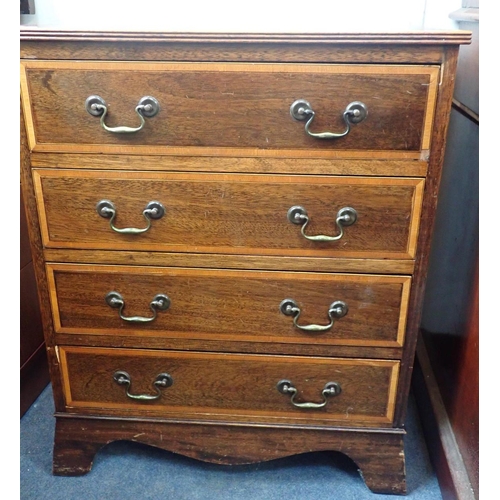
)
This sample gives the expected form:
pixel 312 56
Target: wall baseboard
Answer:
pixel 443 448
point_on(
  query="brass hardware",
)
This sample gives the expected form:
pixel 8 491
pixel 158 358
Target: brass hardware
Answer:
pixel 160 302
pixel 153 210
pixel 346 216
pixel 331 389
pixel 355 112
pixel 337 309
pixel 162 381
pixel 148 107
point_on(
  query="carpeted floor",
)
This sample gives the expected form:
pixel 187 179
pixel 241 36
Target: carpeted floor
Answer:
pixel 131 471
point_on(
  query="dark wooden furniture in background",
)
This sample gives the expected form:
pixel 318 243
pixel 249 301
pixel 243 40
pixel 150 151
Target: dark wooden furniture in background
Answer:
pixel 219 366
pixel 446 382
pixel 34 367
pixel 27 6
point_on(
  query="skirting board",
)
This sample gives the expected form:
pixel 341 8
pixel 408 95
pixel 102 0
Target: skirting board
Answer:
pixel 443 449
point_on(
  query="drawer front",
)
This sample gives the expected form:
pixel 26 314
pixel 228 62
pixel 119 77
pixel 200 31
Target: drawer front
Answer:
pixel 229 107
pixel 236 214
pixel 230 305
pixel 216 386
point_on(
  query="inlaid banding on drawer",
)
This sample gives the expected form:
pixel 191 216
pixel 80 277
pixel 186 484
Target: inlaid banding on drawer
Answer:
pixel 234 214
pixel 220 164
pixel 229 305
pixel 229 109
pixel 230 386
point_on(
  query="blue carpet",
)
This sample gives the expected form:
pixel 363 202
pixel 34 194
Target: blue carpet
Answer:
pixel 132 471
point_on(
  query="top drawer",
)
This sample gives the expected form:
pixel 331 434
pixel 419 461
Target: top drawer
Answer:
pixel 229 109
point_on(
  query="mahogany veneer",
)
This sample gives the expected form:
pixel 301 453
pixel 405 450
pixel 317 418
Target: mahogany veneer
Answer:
pixel 244 214
pixel 219 370
pixel 376 316
pixel 227 105
pixel 236 387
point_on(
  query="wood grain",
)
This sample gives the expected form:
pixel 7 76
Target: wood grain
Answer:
pixel 421 38
pixel 379 456
pixel 235 214
pixel 417 47
pixel 230 346
pixel 201 151
pixel 224 261
pixel 244 106
pixel 229 305
pixel 309 52
pixel 304 166
pixel 242 387
pixel 234 128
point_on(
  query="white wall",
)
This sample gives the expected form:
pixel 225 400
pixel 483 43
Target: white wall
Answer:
pixel 253 16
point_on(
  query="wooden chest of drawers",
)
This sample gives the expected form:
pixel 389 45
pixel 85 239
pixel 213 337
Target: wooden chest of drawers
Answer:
pixel 231 236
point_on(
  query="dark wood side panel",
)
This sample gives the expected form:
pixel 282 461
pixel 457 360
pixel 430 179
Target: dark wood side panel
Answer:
pixel 24 246
pixel 438 144
pixel 30 323
pixel 34 377
pixel 33 226
pixel 34 369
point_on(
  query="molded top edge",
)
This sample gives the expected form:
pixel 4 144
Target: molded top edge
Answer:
pixel 33 33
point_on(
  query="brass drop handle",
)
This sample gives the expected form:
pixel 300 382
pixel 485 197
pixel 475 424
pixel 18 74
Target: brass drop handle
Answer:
pixel 355 112
pixel 160 302
pixel 148 107
pixel 346 216
pixel 331 389
pixel 162 381
pixel 337 309
pixel 153 210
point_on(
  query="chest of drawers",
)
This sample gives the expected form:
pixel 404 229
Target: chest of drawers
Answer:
pixel 231 236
